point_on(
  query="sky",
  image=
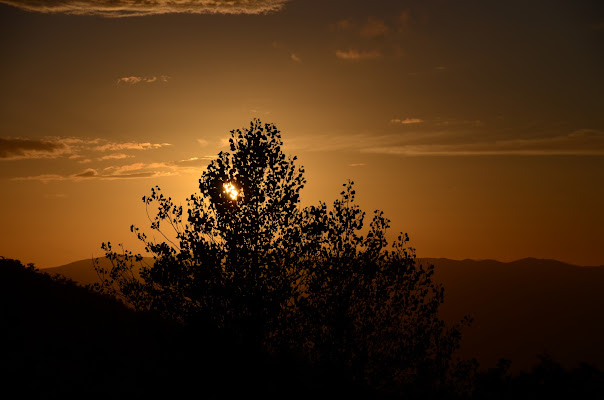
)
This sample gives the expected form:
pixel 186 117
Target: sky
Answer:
pixel 476 126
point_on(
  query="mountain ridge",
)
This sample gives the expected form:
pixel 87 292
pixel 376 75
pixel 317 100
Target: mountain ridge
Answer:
pixel 521 309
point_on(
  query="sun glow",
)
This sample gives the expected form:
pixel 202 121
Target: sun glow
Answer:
pixel 231 190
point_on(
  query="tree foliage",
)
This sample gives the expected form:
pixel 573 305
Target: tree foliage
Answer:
pixel 247 258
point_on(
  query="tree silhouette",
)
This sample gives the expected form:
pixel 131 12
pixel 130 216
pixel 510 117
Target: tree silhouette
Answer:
pixel 247 259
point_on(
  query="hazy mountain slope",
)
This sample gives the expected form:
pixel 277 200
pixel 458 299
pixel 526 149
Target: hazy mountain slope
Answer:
pixel 526 307
pixel 82 271
pixel 520 309
pixel 61 340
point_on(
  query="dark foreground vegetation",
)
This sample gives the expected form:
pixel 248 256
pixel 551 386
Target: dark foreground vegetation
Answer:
pixel 64 341
pixel 250 294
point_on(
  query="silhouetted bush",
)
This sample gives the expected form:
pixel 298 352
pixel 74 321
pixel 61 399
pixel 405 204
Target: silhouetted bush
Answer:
pixel 547 379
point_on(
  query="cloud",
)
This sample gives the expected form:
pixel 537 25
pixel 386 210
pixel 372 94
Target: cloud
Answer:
pixel 55 196
pixel 133 80
pixel 281 46
pixel 134 167
pixel 117 156
pixel 134 8
pixel 406 121
pixel 583 142
pixel 119 173
pixel 91 173
pixel 404 18
pixel 130 146
pixel 77 145
pixel 374 27
pixel 338 142
pixel 12 149
pixel 344 24
pixel 130 79
pixel 88 173
pixel 355 55
pixel 195 162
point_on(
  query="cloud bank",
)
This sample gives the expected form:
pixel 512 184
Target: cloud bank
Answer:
pixel 136 8
pixel 78 149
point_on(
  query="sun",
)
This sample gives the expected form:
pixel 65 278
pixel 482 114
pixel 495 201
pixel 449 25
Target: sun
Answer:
pixel 231 190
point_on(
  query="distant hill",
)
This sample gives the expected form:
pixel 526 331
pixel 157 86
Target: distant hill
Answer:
pixel 82 271
pixel 63 341
pixel 524 308
pixel 521 309
pixel 60 340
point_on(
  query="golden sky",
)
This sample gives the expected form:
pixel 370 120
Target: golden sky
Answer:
pixel 476 126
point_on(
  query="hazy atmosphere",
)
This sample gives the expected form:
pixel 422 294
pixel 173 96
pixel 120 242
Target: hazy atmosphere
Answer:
pixel 477 127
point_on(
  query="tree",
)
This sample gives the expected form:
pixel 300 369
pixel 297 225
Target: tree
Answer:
pixel 230 260
pixel 250 261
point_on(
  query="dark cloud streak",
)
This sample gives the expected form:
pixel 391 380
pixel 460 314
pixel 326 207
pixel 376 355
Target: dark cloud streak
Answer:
pixel 11 149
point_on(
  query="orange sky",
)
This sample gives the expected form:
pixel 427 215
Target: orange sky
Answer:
pixel 476 126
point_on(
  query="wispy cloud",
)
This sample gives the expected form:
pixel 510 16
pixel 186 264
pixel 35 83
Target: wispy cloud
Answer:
pixel 194 162
pixel 343 24
pixel 117 156
pixel 78 145
pixel 139 170
pixel 374 27
pixel 79 150
pixel 91 173
pixel 130 8
pixel 406 121
pixel 383 35
pixel 583 142
pixel 133 80
pixel 130 146
pixel 12 149
pixel 283 47
pixel 121 169
pixel 404 18
pixel 356 55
